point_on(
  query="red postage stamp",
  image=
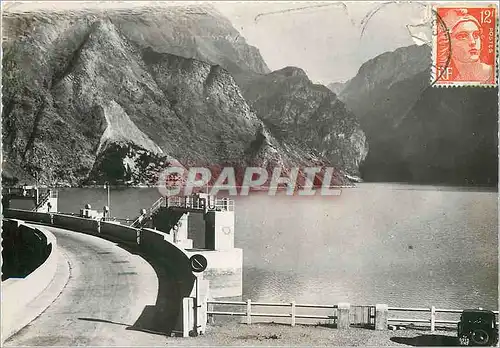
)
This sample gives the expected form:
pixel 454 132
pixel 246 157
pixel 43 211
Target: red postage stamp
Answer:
pixel 465 45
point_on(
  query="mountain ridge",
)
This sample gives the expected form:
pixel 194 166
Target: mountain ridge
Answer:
pixel 127 110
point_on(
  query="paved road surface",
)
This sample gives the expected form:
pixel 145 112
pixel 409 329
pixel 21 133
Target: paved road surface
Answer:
pixel 103 300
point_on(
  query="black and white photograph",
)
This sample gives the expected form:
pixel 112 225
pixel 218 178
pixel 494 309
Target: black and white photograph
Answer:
pixel 249 173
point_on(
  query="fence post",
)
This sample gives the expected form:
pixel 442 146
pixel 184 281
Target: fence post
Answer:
pixel 249 311
pixel 185 317
pixel 293 312
pixel 433 318
pixel 343 316
pixel 381 316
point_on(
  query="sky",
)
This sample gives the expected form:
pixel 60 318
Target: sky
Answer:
pixel 325 39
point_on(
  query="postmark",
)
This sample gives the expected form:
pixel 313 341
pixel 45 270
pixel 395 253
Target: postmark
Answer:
pixel 465 45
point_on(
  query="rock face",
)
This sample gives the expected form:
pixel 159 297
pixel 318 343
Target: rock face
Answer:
pixel 93 97
pixel 311 116
pixel 336 87
pixel 423 134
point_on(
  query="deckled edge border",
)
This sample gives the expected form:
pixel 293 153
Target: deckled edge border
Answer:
pixel 433 81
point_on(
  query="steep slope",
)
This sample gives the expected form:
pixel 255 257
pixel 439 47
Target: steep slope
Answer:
pixel 336 87
pixel 192 31
pixel 85 103
pixel 380 94
pixel 308 115
pixel 418 133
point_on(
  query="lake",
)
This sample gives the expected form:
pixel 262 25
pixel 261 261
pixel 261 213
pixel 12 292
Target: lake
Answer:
pixel 377 243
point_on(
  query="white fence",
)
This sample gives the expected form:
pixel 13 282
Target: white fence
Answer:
pixel 353 316
pixel 249 313
pixel 432 320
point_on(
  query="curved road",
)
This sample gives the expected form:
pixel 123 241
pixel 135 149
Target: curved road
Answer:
pixel 105 299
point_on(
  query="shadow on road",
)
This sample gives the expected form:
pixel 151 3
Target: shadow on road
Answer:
pixel 162 317
pixel 122 324
pixel 427 341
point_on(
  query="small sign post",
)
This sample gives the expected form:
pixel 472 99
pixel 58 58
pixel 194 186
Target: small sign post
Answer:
pixel 198 263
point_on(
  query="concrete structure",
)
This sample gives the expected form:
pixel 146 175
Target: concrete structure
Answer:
pixel 153 243
pixel 343 321
pixel 225 262
pixel 381 316
pixel 223 275
pixel 17 292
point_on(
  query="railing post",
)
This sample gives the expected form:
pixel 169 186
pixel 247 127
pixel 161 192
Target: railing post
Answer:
pixel 433 318
pixel 381 316
pixel 343 316
pixel 293 312
pixel 185 316
pixel 249 311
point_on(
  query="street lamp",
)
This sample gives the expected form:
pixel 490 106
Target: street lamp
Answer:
pixel 106 186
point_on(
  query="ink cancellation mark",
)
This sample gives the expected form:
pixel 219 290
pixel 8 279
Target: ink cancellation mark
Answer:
pixel 465 46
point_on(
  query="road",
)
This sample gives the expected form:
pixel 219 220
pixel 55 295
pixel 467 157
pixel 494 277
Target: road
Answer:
pixel 105 300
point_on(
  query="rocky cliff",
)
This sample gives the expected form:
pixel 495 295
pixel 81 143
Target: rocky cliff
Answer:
pixel 306 114
pixel 110 96
pixel 336 87
pixel 419 133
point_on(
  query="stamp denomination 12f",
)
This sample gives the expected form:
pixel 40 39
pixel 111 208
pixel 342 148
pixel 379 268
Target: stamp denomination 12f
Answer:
pixel 464 48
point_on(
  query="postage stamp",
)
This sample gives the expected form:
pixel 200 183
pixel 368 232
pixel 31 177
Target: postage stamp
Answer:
pixel 465 45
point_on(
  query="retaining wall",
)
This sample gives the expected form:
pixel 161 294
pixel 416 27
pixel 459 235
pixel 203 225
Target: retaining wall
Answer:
pixel 18 292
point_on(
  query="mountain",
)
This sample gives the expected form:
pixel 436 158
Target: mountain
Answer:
pixel 336 87
pixel 119 96
pixel 419 133
pixel 309 115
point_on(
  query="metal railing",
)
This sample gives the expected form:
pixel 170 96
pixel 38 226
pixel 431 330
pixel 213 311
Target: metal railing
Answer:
pixel 432 320
pixel 44 198
pixel 149 213
pixel 293 315
pixel 196 202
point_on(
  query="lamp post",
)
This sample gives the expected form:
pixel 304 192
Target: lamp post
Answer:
pixel 106 186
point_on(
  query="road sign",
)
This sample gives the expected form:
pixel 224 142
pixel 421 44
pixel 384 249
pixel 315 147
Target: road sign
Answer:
pixel 198 263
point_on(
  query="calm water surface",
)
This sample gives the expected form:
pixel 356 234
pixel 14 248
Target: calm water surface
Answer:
pixel 377 243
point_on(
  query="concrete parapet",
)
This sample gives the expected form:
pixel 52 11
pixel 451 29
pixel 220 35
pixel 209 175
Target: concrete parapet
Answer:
pixel 27 215
pixel 381 316
pixel 343 321
pixel 125 233
pixel 18 292
pixel 152 240
pixel 76 223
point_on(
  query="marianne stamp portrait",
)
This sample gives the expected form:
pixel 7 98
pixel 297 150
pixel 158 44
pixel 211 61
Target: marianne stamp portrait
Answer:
pixel 465 45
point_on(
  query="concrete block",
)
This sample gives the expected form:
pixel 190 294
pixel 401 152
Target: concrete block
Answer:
pixel 381 316
pixel 343 311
